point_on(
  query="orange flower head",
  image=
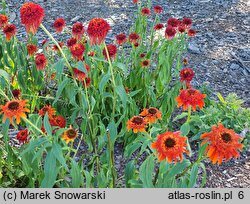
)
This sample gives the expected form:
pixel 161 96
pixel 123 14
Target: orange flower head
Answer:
pixel 158 26
pixel 136 44
pixel 22 136
pixel 59 25
pixel 77 51
pixel 223 144
pixel 191 33
pixel 170 32
pixel 135 1
pixel 133 37
pixel 3 20
pixel 31 16
pixel 47 109
pixel 40 61
pixel 187 75
pixel 71 42
pixel 79 74
pixel 158 9
pixel 15 108
pixel 151 115
pixel 137 124
pixel 58 121
pixel 9 30
pixel 31 49
pixel 121 38
pixel 69 135
pixel 145 12
pixel 190 97
pixel 112 50
pixel 170 146
pixel 78 30
pixel 91 54
pixel 97 30
pixel 145 63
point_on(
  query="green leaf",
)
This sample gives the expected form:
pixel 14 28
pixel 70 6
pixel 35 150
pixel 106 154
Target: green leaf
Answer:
pixel 88 179
pixel 122 93
pixel 204 176
pixel 75 173
pixel 193 175
pixel 60 89
pixel 129 172
pixel 121 66
pixel 113 131
pixel 130 149
pixel 50 171
pixel 103 82
pixel 185 129
pixel 80 65
pixel 57 151
pixel 47 125
pixel 146 172
pixel 4 74
pixel 182 115
pixel 59 67
pixel 178 168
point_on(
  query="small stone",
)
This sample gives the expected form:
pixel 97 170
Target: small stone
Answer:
pixel 12 16
pixel 234 66
pixel 193 48
pixel 77 18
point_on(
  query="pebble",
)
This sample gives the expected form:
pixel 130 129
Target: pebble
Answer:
pixel 193 48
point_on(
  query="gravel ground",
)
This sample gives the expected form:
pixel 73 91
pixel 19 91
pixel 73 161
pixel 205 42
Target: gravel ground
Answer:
pixel 220 54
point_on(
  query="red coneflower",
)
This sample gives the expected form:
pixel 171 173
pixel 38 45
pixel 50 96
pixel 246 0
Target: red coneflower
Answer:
pixel 137 124
pixel 142 55
pixel 112 50
pixel 78 30
pixel 71 42
pixel 47 109
pixel 190 97
pixel 126 89
pixel 58 121
pixel 44 42
pixel 79 74
pixel 16 93
pixel 173 22
pixel 145 63
pixel 22 136
pixel 3 20
pixel 15 108
pixel 31 48
pixel 121 38
pixel 135 1
pixel 151 115
pixel 136 44
pixel 170 146
pixel 77 51
pixel 40 61
pixel 222 143
pixel 145 11
pixel 158 26
pixel 191 33
pixel 181 28
pixel 133 37
pixel 170 32
pixel 97 30
pixel 59 25
pixel 91 54
pixel 31 16
pixel 187 22
pixel 69 135
pixel 158 9
pixel 187 75
pixel 55 47
pixel 86 82
pixel 9 30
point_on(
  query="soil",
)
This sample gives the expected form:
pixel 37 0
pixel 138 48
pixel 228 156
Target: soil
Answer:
pixel 219 54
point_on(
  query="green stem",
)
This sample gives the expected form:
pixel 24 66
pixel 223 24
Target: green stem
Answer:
pixel 4 95
pixel 113 79
pixel 189 113
pixel 111 158
pixel 34 126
